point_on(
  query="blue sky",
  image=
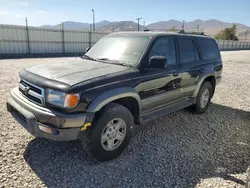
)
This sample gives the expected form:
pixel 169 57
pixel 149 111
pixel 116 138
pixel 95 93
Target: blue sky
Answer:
pixel 41 12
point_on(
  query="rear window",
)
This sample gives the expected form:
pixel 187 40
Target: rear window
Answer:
pixel 209 48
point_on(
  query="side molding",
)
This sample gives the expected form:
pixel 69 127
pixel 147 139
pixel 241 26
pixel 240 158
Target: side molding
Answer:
pixel 113 95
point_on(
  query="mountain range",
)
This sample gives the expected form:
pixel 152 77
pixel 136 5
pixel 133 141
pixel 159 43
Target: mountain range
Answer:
pixel 209 27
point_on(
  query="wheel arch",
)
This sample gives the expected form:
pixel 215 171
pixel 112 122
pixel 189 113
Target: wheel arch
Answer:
pixel 126 96
pixel 210 78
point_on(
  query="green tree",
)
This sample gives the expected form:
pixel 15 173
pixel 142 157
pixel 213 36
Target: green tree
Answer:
pixel 227 34
pixel 173 29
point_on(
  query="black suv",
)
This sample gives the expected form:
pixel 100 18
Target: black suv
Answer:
pixel 126 78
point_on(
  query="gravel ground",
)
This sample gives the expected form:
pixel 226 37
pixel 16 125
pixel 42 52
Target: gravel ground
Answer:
pixel 179 150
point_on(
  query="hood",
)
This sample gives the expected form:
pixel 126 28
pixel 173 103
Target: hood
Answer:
pixel 75 71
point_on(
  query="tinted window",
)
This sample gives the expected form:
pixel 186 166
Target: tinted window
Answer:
pixel 209 48
pixel 164 46
pixel 188 51
pixel 196 53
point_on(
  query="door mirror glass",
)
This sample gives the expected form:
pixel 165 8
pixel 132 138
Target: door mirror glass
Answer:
pixel 158 62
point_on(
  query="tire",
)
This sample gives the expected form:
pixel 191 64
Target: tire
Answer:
pixel 200 106
pixel 248 178
pixel 117 114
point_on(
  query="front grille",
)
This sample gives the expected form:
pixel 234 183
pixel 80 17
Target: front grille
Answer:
pixel 32 92
pixel 32 87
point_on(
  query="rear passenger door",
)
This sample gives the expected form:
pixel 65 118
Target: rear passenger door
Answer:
pixel 189 58
pixel 212 63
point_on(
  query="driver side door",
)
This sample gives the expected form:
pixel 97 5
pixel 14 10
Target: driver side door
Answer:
pixel 160 86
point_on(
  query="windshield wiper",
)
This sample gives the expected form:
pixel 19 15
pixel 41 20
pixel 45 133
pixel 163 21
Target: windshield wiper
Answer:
pixel 88 57
pixel 113 61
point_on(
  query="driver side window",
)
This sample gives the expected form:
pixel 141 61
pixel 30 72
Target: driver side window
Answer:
pixel 164 46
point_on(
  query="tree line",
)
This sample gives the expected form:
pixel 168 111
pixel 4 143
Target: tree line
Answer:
pixel 225 34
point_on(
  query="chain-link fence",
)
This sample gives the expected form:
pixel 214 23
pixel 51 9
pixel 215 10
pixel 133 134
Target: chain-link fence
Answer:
pixel 233 45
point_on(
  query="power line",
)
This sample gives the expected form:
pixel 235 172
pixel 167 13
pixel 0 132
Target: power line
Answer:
pixel 138 19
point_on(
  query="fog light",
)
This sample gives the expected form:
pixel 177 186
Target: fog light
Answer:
pixel 45 129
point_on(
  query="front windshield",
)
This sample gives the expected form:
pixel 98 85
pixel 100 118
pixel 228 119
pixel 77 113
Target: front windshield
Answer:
pixel 125 49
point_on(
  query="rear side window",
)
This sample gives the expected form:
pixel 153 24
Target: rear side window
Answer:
pixel 188 51
pixel 209 48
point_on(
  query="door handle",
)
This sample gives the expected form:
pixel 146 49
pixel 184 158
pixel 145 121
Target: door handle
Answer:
pixel 175 74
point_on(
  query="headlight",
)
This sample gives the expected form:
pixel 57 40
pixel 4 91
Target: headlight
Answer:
pixel 61 99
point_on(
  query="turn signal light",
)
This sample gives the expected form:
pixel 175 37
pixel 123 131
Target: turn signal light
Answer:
pixel 71 100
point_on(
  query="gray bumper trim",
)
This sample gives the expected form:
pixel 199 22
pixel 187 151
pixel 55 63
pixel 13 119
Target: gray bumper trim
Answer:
pixel 64 127
pixel 47 116
pixel 29 122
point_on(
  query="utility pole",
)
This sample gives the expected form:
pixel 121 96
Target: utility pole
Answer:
pixel 90 30
pixel 90 27
pixel 28 38
pixel 144 25
pixel 138 19
pixel 63 41
pixel 183 25
pixel 198 28
pixel 246 35
pixel 93 19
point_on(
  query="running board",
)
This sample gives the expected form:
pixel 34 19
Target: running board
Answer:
pixel 166 110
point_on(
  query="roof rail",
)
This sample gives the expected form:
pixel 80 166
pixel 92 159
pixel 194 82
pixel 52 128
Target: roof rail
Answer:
pixel 183 32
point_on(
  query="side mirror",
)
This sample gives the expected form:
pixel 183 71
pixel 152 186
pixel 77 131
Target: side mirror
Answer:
pixel 87 49
pixel 158 62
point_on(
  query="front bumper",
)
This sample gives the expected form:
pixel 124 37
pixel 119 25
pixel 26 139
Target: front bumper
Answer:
pixel 35 119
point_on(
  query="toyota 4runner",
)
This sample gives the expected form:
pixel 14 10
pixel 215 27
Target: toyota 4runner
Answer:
pixel 125 79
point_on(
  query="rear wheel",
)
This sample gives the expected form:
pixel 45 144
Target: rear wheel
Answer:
pixel 204 98
pixel 110 133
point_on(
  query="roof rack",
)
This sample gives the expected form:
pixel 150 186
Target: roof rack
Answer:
pixel 183 32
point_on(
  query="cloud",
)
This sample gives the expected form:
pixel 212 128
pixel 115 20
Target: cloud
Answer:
pixel 19 16
pixel 41 11
pixel 24 3
pixel 3 13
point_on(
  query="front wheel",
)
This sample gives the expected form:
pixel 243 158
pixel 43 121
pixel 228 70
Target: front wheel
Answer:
pixel 204 98
pixel 111 132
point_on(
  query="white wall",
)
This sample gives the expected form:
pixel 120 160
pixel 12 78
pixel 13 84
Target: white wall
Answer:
pixel 14 40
